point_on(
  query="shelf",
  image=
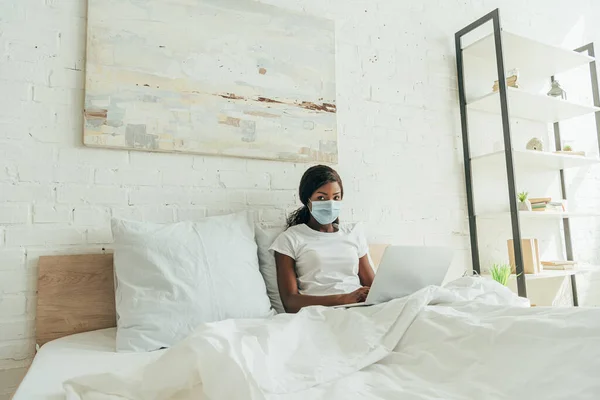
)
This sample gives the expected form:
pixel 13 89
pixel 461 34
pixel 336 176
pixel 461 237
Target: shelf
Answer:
pixel 537 159
pixel 541 275
pixel 549 274
pixel 527 54
pixel 532 106
pixel 541 214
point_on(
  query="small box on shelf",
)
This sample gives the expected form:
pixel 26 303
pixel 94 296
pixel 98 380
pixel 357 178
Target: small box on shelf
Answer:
pixel 531 256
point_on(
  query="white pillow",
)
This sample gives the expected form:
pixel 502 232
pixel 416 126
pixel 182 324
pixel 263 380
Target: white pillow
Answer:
pixel 172 277
pixel 265 238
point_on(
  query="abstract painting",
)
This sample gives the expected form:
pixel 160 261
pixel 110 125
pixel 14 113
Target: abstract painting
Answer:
pixel 224 77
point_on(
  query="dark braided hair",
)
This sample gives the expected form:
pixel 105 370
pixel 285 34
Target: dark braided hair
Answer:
pixel 313 178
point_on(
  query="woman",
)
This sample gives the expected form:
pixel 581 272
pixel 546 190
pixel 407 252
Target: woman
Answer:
pixel 319 261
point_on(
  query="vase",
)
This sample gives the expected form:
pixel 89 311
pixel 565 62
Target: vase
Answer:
pixel 557 91
pixel 535 144
pixel 524 205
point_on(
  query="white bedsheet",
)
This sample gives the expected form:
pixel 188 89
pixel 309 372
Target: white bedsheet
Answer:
pixel 472 340
pixel 72 356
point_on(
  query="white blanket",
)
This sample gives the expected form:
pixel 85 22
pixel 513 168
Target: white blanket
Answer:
pixel 470 340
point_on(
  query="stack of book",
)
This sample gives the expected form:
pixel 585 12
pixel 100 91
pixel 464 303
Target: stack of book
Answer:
pixel 559 265
pixel 546 204
pixel 511 81
pixel 540 204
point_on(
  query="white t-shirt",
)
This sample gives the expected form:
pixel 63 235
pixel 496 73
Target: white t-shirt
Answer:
pixel 326 263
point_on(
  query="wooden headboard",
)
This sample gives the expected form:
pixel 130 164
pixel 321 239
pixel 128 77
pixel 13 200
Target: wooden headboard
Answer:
pixel 376 252
pixel 76 294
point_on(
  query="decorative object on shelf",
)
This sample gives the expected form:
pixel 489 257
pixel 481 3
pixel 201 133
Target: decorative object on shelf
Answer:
pixel 568 148
pixel 524 203
pixel 539 203
pixel 559 265
pixel 531 256
pixel 535 144
pixel 511 80
pixel 500 273
pixel 557 91
pixel 556 206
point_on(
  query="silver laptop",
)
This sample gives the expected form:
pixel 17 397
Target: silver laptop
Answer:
pixel 406 269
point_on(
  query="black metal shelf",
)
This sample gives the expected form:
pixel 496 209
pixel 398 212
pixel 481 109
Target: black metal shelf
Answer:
pixel 502 98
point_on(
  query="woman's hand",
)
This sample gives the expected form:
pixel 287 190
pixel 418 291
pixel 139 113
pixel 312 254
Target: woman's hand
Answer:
pixel 358 296
pixel 294 301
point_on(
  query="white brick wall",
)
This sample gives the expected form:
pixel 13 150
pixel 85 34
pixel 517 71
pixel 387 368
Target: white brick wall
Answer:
pixel 138 177
pixel 51 213
pixel 91 215
pixel 244 180
pixel 14 213
pixel 397 119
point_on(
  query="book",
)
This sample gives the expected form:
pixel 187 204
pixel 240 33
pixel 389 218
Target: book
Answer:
pixel 559 265
pixel 531 256
pixel 536 200
pixel 558 262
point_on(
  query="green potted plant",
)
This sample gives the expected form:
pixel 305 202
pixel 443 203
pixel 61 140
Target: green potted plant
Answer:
pixel 500 273
pixel 524 204
pixel 567 148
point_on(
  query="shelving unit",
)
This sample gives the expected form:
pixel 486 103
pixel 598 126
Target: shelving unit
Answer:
pixel 542 60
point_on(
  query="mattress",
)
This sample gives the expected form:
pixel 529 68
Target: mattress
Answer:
pixel 76 355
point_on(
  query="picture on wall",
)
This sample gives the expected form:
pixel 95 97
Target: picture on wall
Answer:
pixel 224 77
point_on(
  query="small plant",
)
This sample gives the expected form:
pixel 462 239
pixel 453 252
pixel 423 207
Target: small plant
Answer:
pixel 500 273
pixel 523 196
pixel 568 148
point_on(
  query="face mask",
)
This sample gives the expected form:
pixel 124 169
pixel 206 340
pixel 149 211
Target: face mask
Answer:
pixel 325 212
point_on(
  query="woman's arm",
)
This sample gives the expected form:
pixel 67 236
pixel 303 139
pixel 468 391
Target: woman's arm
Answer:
pixel 294 301
pixel 365 271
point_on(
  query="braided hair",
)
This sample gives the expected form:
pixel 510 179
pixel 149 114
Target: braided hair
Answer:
pixel 313 178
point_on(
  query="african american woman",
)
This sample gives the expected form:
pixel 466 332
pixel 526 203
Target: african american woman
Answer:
pixel 319 260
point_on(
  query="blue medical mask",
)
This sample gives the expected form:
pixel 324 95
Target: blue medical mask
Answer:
pixel 325 212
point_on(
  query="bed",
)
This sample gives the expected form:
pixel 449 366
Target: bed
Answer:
pixel 75 324
pixel 472 339
pixel 74 355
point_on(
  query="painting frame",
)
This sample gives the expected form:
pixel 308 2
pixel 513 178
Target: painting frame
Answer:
pixel 257 81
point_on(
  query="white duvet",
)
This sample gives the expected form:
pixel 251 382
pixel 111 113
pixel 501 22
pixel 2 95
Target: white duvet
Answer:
pixel 472 339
